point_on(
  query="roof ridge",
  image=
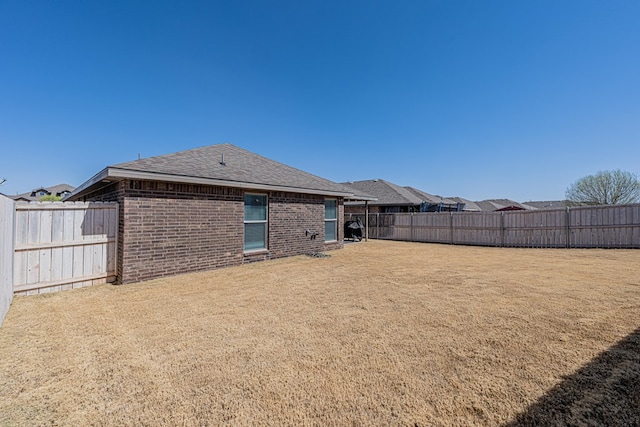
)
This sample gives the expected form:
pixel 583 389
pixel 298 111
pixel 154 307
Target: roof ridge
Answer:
pixel 181 152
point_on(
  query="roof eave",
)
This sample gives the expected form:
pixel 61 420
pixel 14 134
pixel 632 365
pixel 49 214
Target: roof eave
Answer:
pixel 356 198
pixel 100 176
pixel 356 201
pixel 111 174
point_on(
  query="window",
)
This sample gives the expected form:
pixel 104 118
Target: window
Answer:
pixel 330 220
pixel 255 222
pixel 39 193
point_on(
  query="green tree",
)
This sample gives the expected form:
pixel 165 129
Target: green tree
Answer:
pixel 605 188
pixel 50 198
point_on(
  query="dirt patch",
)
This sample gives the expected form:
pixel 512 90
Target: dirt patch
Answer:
pixel 380 333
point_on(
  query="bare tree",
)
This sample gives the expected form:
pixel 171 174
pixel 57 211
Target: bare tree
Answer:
pixel 605 188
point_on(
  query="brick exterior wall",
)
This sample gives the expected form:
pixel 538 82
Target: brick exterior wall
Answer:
pixel 112 193
pixel 168 228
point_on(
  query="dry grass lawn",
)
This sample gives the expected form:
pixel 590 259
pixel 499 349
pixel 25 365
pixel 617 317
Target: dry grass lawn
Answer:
pixel 380 333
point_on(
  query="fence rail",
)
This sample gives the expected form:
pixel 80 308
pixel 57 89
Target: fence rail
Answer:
pixel 577 227
pixel 63 245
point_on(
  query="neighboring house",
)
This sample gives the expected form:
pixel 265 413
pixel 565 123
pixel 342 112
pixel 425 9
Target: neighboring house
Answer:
pixel 502 205
pixel 468 205
pixel 434 203
pixel 213 207
pixel 392 198
pixel 549 204
pixel 60 190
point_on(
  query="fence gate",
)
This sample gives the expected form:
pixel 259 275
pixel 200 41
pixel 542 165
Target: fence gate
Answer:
pixel 62 246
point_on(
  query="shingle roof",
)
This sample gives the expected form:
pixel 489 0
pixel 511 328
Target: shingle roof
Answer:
pixel 386 192
pixel 548 204
pixel 492 205
pixel 430 198
pixel 469 206
pixel 222 164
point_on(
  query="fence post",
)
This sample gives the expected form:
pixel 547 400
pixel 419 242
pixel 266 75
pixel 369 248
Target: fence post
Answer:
pixel 568 220
pixel 502 232
pixel 451 226
pixel 411 227
pixel 378 225
pixel 366 221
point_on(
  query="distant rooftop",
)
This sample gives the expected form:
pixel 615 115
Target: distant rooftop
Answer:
pixel 59 190
pixel 548 204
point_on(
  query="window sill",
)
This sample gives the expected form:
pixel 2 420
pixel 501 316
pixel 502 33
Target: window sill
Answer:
pixel 256 252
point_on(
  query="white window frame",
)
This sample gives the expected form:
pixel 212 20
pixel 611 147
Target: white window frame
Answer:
pixel 334 220
pixel 264 221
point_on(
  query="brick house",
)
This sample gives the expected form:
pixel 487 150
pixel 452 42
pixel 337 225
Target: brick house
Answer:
pixel 60 190
pixel 392 198
pixel 212 207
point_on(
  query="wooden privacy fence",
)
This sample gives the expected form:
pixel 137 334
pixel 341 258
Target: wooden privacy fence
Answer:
pixel 64 245
pixel 615 226
pixel 7 214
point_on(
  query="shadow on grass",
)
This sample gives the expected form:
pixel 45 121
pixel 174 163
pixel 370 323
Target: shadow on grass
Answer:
pixel 605 392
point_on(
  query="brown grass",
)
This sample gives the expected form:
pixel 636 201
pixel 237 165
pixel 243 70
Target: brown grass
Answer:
pixel 380 333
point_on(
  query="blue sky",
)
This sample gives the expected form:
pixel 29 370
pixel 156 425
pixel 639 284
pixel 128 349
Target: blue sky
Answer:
pixel 478 99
